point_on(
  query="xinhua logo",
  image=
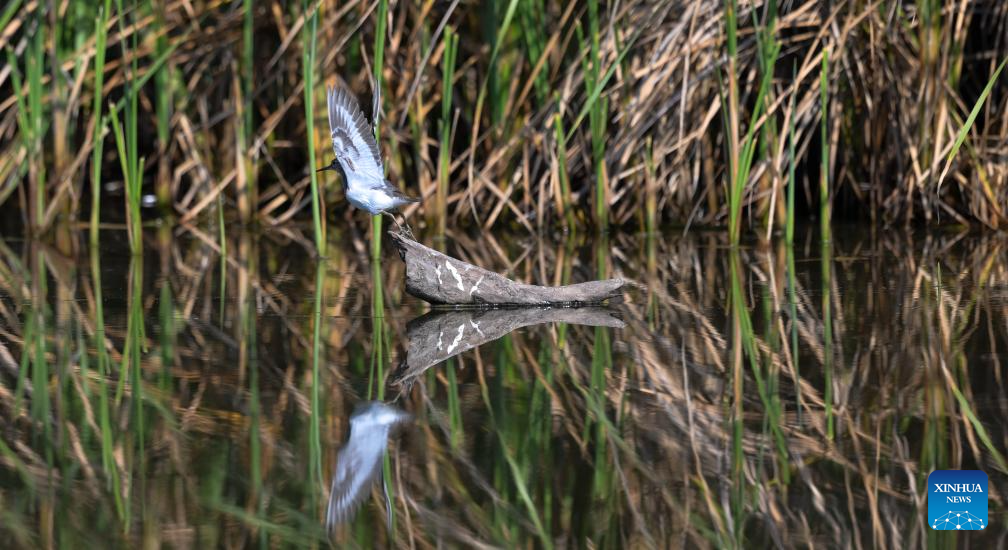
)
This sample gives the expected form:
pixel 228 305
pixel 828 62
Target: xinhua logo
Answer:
pixel 957 500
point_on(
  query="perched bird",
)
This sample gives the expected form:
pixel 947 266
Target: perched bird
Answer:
pixel 360 461
pixel 358 158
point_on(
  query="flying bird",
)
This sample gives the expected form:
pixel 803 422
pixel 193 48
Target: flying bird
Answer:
pixel 358 158
pixel 359 462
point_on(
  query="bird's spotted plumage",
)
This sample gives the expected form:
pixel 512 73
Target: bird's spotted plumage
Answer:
pixel 358 156
pixel 352 137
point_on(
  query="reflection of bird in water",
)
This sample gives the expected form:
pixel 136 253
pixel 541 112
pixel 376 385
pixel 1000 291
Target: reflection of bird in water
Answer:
pixel 360 460
pixel 358 158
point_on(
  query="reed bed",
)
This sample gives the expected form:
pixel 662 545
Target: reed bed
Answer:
pixel 528 114
pixel 746 403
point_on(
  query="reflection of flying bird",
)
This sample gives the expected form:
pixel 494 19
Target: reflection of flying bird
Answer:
pixel 359 461
pixel 358 158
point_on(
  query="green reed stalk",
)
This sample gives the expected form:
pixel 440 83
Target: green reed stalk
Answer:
pixel 771 405
pixel 251 195
pixel 826 270
pixel 541 429
pixel 163 108
pixel 30 118
pixel 222 237
pixel 498 33
pixel 36 347
pixel 824 199
pixel 489 15
pixel 167 330
pixel 792 297
pixel 789 227
pixel 531 14
pixel 767 48
pixel 126 135
pixel 597 120
pixel 101 35
pixel 516 475
pixel 741 153
pixel 315 437
pixel 650 189
pixel 134 178
pixel 376 376
pixel 566 202
pixel 792 283
pixel 738 481
pixel 964 130
pixel 379 70
pixel 133 349
pixel 125 151
pixel 309 37
pixel 24 122
pixel 8 13
pixel 773 415
pixel 731 110
pixel 255 408
pixel 104 370
pixel 444 155
pixel 34 68
pixel 454 407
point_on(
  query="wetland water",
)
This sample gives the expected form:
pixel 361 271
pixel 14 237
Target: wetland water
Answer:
pixel 760 397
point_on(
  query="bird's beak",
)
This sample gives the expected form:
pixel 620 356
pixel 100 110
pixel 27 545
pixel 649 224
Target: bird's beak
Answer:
pixel 323 169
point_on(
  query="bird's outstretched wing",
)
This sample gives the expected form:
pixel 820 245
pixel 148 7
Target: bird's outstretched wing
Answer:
pixel 357 468
pixel 352 136
pixel 358 464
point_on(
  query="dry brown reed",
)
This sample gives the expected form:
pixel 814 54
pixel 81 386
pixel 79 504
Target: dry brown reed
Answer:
pixel 534 101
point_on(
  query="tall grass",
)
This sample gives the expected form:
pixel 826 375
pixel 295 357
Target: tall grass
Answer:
pixel 597 118
pixel 378 77
pixel 515 109
pixel 131 167
pixel 741 149
pixel 825 211
pixel 249 196
pixel 444 154
pixel 309 39
pixel 101 36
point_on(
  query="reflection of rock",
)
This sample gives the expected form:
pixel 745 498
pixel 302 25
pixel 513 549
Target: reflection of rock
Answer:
pixel 443 280
pixel 359 461
pixel 438 335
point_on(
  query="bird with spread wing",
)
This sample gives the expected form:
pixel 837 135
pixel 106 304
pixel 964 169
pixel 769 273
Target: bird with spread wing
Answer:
pixel 358 158
pixel 359 463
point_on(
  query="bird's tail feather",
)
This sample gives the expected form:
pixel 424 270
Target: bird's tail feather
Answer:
pixel 399 194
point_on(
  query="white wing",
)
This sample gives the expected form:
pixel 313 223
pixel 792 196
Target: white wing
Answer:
pixel 357 468
pixel 352 137
pixel 360 461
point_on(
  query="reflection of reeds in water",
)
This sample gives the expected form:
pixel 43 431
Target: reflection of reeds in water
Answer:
pixel 745 403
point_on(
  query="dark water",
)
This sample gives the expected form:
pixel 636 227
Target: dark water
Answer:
pixel 759 397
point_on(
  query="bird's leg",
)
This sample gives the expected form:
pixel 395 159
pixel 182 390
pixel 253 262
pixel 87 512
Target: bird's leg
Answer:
pixel 395 221
pixel 408 231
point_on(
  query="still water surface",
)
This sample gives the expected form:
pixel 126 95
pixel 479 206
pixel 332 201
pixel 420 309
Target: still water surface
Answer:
pixel 760 397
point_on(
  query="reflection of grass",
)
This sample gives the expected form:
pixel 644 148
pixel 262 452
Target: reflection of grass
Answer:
pixel 565 435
